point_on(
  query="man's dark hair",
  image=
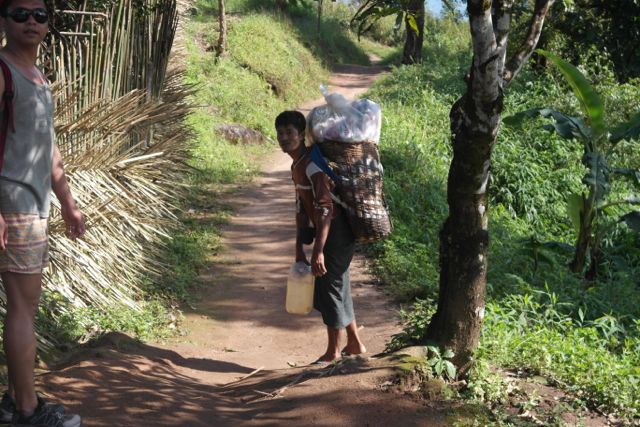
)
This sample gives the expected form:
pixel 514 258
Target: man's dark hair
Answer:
pixel 295 118
pixel 4 6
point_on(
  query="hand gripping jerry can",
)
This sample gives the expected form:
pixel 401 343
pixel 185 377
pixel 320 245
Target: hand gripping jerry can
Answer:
pixel 300 286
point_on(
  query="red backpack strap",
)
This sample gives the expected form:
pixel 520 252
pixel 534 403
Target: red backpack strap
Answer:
pixel 7 113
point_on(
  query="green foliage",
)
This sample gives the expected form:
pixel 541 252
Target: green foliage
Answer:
pixel 275 57
pixel 371 11
pixel 416 154
pixel 537 309
pixel 244 88
pixel 336 43
pixel 189 249
pixel 434 364
pixel 415 322
pixel 572 29
pixel 486 385
pixel 590 102
pixel 384 30
pixel 596 359
pixel 440 364
pixel 153 319
pixel 588 212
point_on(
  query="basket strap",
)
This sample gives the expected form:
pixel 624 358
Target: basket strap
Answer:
pixel 317 158
pixel 340 202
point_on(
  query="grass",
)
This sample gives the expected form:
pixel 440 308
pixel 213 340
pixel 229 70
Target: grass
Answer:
pixel 583 336
pixel 335 45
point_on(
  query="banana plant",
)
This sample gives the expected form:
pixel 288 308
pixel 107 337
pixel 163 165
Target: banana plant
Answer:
pixel 370 11
pixel 589 211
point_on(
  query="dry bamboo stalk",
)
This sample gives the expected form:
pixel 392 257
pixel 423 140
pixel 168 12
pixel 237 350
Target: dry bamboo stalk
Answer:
pixel 125 190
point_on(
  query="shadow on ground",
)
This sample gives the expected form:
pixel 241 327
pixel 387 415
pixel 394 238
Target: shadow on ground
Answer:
pixel 121 382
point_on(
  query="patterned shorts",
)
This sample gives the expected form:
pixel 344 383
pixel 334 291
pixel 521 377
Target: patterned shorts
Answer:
pixel 27 249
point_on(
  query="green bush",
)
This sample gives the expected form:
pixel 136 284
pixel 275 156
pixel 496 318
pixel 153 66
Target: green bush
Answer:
pixel 583 335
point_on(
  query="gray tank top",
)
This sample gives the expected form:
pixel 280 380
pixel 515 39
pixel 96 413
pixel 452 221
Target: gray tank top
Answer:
pixel 25 179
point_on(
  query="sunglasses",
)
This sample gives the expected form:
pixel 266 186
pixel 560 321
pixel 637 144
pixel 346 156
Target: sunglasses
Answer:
pixel 20 15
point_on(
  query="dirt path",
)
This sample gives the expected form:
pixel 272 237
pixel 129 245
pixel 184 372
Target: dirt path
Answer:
pixel 244 360
pixel 240 326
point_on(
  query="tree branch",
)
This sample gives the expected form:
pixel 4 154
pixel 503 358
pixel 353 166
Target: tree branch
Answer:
pixel 516 62
pixel 481 26
pixel 501 25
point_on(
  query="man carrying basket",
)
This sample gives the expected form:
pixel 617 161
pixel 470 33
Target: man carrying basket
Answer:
pixel 322 221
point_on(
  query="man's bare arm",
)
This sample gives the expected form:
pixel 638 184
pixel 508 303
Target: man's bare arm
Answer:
pixel 70 213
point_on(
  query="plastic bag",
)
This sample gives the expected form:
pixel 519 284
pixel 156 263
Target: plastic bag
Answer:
pixel 343 120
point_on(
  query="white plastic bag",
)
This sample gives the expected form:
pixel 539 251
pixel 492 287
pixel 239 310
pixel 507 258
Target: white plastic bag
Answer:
pixel 343 120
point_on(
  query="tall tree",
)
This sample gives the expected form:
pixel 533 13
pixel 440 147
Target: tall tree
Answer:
pixel 221 47
pixel 475 119
pixel 319 19
pixel 412 12
pixel 319 26
pixel 414 22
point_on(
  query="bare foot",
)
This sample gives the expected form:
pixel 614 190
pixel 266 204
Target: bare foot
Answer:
pixel 352 349
pixel 329 357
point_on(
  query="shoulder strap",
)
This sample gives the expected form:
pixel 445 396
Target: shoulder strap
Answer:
pixel 7 113
pixel 317 158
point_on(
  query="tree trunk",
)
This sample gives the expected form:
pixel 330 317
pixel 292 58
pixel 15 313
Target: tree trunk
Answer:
pixel 412 52
pixel 464 237
pixel 475 120
pixel 221 48
pixel 281 5
pixel 318 29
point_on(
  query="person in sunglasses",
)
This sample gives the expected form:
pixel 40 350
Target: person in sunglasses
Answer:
pixel 31 168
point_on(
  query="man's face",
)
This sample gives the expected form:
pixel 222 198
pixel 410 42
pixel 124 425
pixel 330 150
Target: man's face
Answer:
pixel 289 138
pixel 27 31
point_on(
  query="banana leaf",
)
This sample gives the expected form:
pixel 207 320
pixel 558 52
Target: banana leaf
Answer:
pixel 629 130
pixel 597 176
pixel 590 101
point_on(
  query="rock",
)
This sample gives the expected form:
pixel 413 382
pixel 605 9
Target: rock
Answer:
pixel 418 351
pixel 238 134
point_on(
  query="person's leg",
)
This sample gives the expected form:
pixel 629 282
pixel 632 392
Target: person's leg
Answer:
pixel 354 344
pixel 333 290
pixel 23 295
pixel 334 336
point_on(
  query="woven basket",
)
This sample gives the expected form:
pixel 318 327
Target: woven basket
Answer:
pixel 361 188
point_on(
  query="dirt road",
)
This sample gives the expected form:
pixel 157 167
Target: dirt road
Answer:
pixel 240 327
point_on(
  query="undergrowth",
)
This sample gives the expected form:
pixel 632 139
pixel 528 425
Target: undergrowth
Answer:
pixel 581 335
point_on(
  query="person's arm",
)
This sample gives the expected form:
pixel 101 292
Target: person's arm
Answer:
pixel 323 205
pixel 323 224
pixel 71 215
pixel 4 232
pixel 302 220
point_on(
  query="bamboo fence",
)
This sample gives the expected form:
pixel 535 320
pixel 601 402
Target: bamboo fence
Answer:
pixel 120 126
